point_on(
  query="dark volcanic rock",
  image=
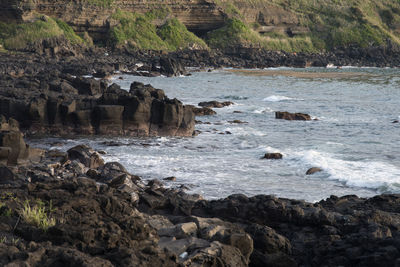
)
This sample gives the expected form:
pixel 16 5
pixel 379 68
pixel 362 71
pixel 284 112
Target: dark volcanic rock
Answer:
pixel 87 106
pixel 215 104
pixel 204 111
pixel 292 116
pixel 86 156
pixel 13 148
pixel 171 67
pixel 272 156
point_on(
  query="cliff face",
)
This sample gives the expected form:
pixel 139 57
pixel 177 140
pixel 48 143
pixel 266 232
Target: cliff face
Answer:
pixel 199 16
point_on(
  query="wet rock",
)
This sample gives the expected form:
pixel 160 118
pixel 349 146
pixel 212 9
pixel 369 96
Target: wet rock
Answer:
pixel 313 170
pixel 204 111
pixel 272 156
pixel 238 121
pixel 292 116
pixel 171 67
pixel 215 104
pixel 172 179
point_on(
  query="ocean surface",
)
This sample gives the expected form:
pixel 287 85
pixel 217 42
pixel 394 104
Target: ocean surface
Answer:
pixel 354 140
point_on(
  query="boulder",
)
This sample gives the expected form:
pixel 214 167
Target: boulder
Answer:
pixel 292 116
pixel 86 155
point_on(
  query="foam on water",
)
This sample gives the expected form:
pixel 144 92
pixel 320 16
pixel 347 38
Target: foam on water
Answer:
pixel 279 98
pixel 263 110
pixel 367 174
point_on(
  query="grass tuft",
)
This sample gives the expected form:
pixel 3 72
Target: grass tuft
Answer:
pixel 38 215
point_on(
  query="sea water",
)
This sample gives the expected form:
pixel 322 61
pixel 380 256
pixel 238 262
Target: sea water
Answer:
pixel 354 140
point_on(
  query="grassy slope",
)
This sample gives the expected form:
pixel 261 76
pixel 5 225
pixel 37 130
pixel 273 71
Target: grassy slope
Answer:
pixel 138 31
pixel 333 23
pixel 19 36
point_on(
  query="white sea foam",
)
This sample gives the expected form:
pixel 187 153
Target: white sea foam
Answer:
pixel 263 110
pixel 367 174
pixel 279 98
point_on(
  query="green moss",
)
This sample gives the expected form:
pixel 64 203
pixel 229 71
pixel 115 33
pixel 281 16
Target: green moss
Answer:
pixel 19 36
pixel 138 31
pixel 69 32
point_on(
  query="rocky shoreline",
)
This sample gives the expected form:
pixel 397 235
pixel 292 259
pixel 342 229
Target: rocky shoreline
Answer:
pixel 98 214
pixel 92 213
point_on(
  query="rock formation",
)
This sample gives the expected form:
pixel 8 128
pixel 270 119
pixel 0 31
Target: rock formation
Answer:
pixel 62 104
pixel 13 149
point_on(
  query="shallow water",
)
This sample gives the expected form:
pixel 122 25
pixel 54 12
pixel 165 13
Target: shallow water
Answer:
pixel 354 140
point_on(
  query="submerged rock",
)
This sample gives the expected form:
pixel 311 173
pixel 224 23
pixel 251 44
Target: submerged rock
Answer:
pixel 272 156
pixel 313 170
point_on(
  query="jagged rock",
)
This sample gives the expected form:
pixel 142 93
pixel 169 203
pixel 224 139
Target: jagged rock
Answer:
pixel 171 67
pixel 13 148
pixel 86 155
pixel 292 116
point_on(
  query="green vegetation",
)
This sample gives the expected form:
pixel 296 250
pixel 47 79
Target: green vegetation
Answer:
pixel 19 36
pixel 138 31
pixel 38 215
pixel 175 35
pixel 101 3
pixel 235 32
pixel 332 23
pixel 348 22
